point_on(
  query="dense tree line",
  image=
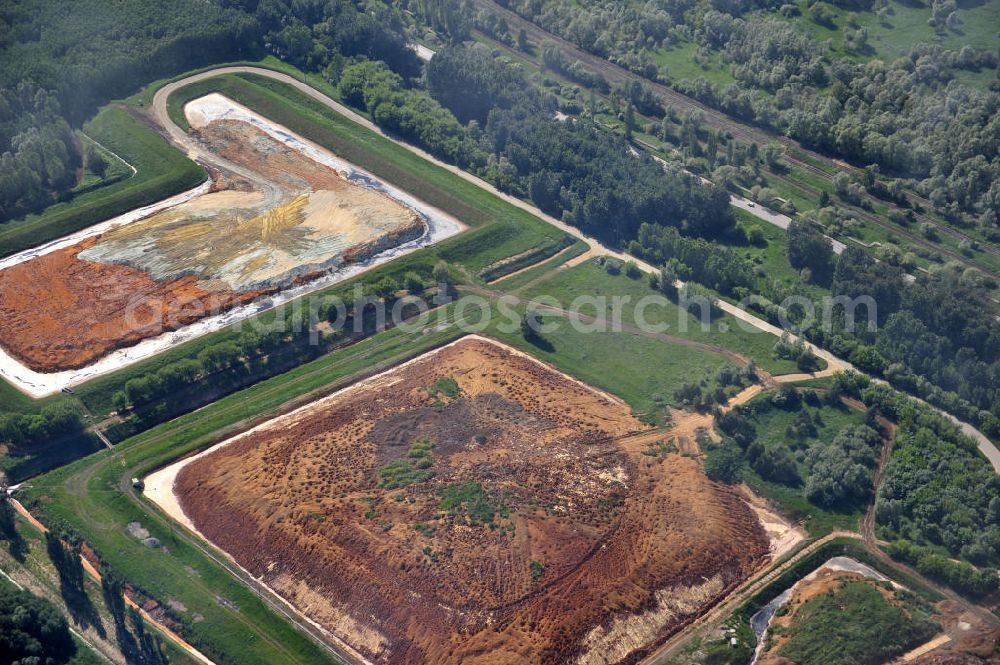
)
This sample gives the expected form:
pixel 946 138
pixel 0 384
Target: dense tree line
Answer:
pixel 590 179
pixel 452 18
pixel 571 169
pixel 38 154
pixel 318 34
pixel 912 117
pixel 32 630
pixel 553 58
pixel 411 114
pixel 938 489
pixel 244 354
pixel 52 422
pixel 936 336
pixel 935 492
pixel 62 61
pixel 90 51
pixel 714 265
pixel 841 470
pixel 470 82
pixel 959 575
pixel 809 249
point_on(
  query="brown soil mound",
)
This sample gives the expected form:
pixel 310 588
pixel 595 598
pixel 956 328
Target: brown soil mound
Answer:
pixel 522 519
pixel 58 312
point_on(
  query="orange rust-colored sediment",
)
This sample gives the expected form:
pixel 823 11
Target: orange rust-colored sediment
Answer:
pixel 596 550
pixel 252 235
pixel 58 312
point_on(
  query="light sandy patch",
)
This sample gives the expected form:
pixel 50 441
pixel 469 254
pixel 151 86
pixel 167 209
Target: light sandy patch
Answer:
pixel 105 226
pixel 324 613
pixel 784 535
pixel 625 635
pixel 227 198
pixel 583 258
pixel 306 216
pixel 938 641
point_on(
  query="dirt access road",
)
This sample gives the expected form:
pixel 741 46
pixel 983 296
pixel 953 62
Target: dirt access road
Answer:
pixel 719 120
pixel 159 110
pixel 834 364
pixel 94 573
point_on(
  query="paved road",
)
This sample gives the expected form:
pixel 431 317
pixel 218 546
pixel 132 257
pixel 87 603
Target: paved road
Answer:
pixel 834 363
pixel 760 212
pixel 775 218
pixel 616 74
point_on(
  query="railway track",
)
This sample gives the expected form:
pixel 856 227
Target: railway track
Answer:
pixel 899 230
pixel 615 74
pixel 802 187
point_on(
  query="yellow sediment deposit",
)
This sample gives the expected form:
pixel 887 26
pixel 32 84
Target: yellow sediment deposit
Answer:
pixel 278 219
pixel 304 218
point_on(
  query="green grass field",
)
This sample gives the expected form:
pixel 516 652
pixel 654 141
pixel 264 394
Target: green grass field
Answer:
pixel 642 371
pixel 116 169
pixel 680 64
pixel 94 497
pixel 905 26
pixel 14 401
pixel 772 429
pixel 36 564
pixel 161 171
pixel 590 280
